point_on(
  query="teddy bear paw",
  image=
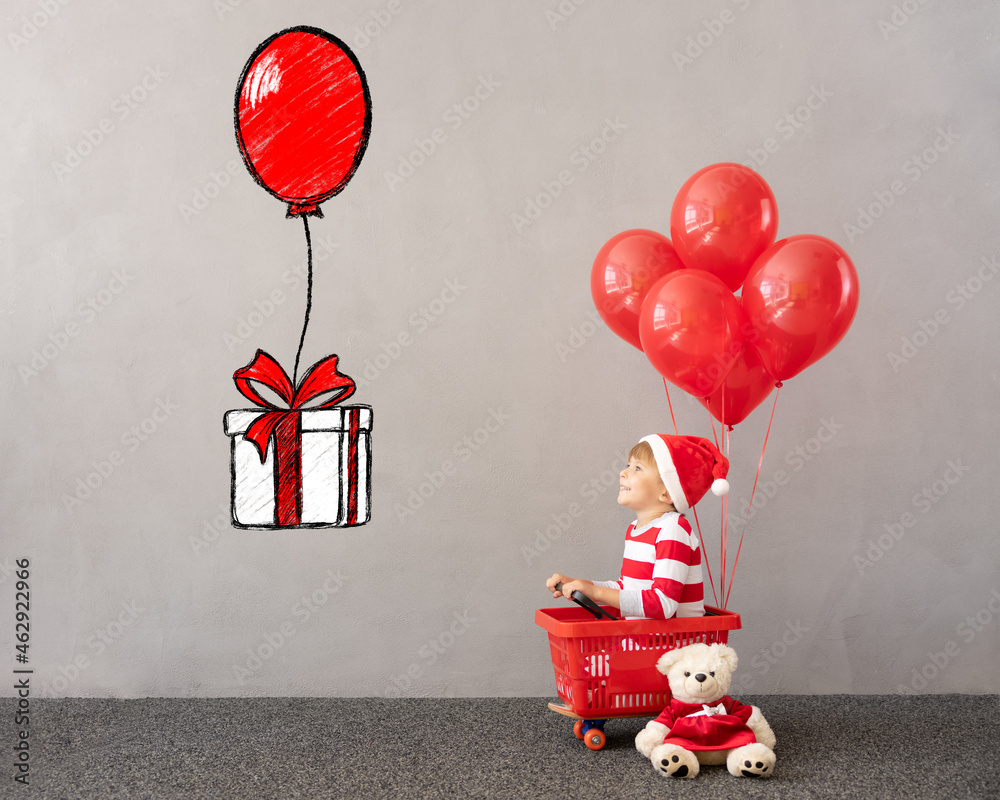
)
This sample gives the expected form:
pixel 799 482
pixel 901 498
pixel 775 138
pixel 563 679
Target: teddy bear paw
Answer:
pixel 649 737
pixel 674 762
pixel 751 761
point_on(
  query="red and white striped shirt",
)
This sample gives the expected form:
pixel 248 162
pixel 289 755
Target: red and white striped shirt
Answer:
pixel 661 571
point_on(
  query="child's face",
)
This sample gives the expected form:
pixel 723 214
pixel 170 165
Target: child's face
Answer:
pixel 641 487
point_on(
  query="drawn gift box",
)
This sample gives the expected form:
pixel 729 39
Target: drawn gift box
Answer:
pixel 299 467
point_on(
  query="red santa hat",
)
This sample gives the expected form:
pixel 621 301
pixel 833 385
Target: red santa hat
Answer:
pixel 689 467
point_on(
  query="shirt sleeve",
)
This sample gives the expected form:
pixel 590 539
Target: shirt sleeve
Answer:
pixel 630 603
pixel 674 558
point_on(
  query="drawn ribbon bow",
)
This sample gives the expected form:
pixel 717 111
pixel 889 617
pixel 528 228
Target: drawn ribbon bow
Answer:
pixel 321 378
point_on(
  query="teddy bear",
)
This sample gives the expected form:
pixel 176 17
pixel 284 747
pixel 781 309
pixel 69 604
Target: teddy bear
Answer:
pixel 702 724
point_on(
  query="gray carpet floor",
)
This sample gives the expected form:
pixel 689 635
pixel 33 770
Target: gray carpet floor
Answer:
pixel 943 746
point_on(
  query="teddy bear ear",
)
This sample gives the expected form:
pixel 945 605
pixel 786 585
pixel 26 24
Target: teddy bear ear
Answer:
pixel 727 655
pixel 668 659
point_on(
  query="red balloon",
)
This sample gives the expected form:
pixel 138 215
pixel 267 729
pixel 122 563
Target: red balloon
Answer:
pixel 690 328
pixel 746 386
pixel 724 216
pixel 799 299
pixel 623 272
pixel 303 115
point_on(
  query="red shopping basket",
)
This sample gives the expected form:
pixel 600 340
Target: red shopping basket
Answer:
pixel 607 668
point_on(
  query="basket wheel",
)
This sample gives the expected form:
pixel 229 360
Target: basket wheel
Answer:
pixel 578 728
pixel 594 739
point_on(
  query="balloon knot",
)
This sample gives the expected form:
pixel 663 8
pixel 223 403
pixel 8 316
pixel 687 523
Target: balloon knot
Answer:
pixel 306 210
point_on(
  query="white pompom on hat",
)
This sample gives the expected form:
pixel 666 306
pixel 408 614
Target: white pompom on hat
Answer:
pixel 689 467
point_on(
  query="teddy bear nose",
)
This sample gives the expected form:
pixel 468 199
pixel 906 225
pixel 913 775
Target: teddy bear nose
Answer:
pixel 701 677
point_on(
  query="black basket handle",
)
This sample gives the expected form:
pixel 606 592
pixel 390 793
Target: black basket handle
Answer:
pixel 585 602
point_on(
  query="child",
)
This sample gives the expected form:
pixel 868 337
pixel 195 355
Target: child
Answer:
pixel 661 567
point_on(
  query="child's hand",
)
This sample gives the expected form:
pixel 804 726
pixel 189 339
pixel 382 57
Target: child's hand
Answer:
pixel 569 585
pixel 575 585
pixel 556 579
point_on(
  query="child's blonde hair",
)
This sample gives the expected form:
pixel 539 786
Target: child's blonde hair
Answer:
pixel 644 452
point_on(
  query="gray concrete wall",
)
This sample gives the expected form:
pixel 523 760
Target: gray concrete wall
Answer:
pixel 872 569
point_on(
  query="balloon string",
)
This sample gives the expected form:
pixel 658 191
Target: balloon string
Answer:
pixel 704 557
pixel 750 506
pixel 697 522
pixel 309 299
pixel 723 532
pixel 715 436
pixel 722 523
pixel 670 405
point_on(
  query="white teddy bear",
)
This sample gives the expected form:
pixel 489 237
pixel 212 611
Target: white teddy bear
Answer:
pixel 702 724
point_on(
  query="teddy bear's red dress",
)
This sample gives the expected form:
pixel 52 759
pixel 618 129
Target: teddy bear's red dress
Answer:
pixel 696 726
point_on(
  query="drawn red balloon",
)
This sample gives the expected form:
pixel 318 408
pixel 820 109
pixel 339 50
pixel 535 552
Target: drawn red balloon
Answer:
pixel 746 386
pixel 724 216
pixel 800 298
pixel 690 329
pixel 624 271
pixel 303 115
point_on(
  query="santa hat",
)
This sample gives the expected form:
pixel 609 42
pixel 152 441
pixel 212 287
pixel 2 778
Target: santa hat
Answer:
pixel 689 467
